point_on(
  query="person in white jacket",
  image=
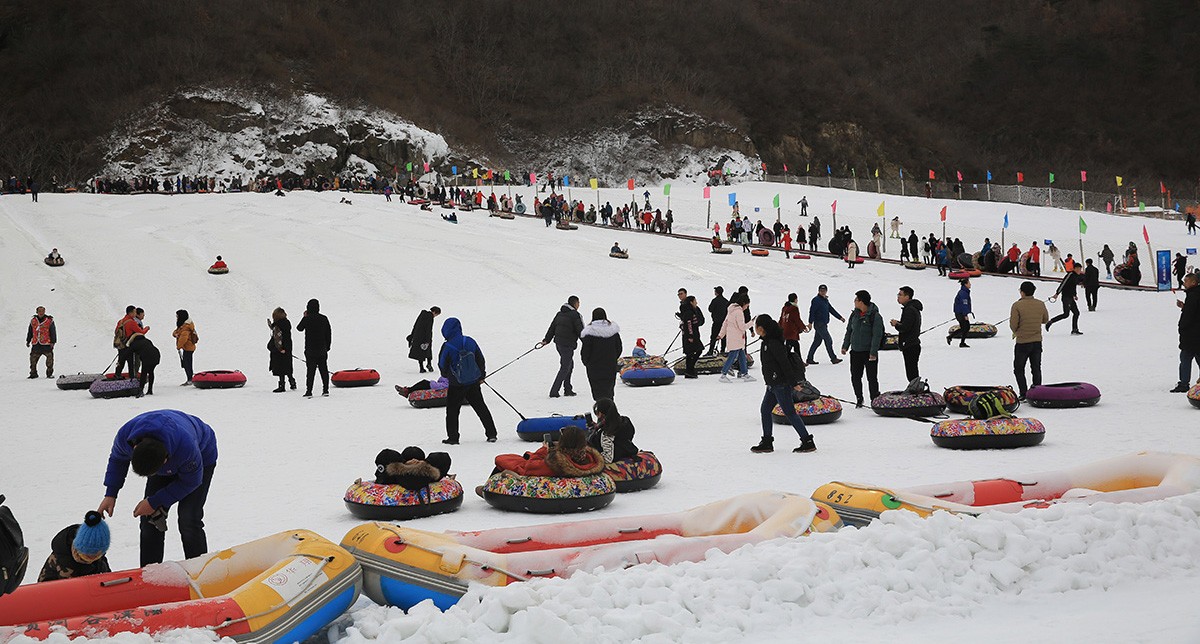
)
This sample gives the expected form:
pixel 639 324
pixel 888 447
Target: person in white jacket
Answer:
pixel 733 331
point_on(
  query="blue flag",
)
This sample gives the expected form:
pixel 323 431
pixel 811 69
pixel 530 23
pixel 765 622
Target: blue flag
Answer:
pixel 454 170
pixel 828 170
pixel 989 179
pixel 566 181
pixel 901 173
pixel 1006 220
pixel 732 198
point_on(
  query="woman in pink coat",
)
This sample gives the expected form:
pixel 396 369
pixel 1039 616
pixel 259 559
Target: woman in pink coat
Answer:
pixel 733 331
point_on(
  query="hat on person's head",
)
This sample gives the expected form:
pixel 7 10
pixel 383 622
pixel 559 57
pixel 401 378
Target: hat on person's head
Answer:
pixel 641 343
pixel 92 539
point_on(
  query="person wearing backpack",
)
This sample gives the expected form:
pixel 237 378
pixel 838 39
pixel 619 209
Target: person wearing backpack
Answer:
pixel 864 335
pixel 318 337
pixel 461 362
pixel 185 342
pixel 908 331
pixel 781 370
pixel 564 331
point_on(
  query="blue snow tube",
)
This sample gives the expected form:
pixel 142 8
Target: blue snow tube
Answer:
pixel 535 430
pixel 648 377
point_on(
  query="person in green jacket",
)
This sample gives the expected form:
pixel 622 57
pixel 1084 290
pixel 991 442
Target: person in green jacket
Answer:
pixel 864 335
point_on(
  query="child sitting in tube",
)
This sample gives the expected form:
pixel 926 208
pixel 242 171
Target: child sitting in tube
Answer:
pixel 411 469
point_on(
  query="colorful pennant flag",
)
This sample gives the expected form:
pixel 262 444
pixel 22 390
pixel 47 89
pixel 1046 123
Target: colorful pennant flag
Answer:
pixel 989 175
pixel 408 167
pixel 828 170
pixel 1006 219
pixel 1082 226
pixel 785 168
pixel 764 167
pixel 876 173
pixel 1083 176
pixel 834 206
pixel 566 181
pixel 1145 233
pixel 944 213
pixel 807 167
pixel 902 174
pixel 666 190
pixel 775 202
pixel 1051 177
pixel 708 192
pixel 732 198
pixel 474 173
pixel 932 176
pixel 532 178
pixel 1162 187
pixel 879 210
pixel 454 170
pixel 1020 177
pixel 1120 181
pixel 630 184
pixel 959 173
pixel 489 175
pixel 853 173
pixel 594 183
pixel 426 166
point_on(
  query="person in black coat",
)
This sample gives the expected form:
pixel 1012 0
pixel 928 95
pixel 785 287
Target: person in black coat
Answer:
pixel 564 331
pixel 78 550
pixel 908 328
pixel 1189 331
pixel 717 309
pixel 600 348
pixel 280 347
pixel 780 375
pixel 420 341
pixel 1091 285
pixel 411 469
pixel 612 433
pixel 318 338
pixel 690 322
pixel 1067 291
pixel 148 356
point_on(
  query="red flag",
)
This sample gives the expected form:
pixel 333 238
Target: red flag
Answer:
pixel 1162 187
pixel 943 213
pixel 426 167
pixel 834 206
pixel 785 167
pixel 1020 177
pixel 630 184
pixel 931 175
pixel 707 192
pixel 959 174
pixel 764 166
pixel 1083 176
pixel 1146 234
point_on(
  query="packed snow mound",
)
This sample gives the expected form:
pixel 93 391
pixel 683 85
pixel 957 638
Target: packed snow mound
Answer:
pixel 227 133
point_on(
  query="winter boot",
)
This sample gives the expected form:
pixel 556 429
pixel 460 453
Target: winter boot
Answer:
pixel 765 446
pixel 1180 388
pixel 806 445
pixel 292 383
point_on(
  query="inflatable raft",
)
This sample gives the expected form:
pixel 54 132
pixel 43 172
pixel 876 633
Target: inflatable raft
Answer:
pixel 77 381
pixel 503 215
pixel 891 342
pixel 376 502
pixel 54 262
pixel 975 331
pixel 111 386
pixel 708 364
pixel 646 362
pixel 994 433
pixel 639 377
pixel 566 226
pixel 914 266
pixel 535 430
pixel 355 378
pixel 959 398
pixel 219 379
pixel 218 270
pixel 403 566
pixel 821 411
pixel 1137 478
pixel 1127 275
pixel 635 474
pixel 282 588
pixel 965 273
pixel 906 405
pixel 427 398
pixel 1064 395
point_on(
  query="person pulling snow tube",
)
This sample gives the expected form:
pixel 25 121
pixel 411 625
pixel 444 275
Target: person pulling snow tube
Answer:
pixel 708 365
pixel 822 411
pixel 1193 395
pixel 900 404
pixel 994 433
pixel 112 386
pixel 640 377
pixel 978 330
pixel 534 430
pixel 512 492
pixel 635 473
pixel 1064 395
pixel 959 398
pixel 77 381
pixel 377 502
pixel 891 342
pixel 355 378
pixel 760 252
pixel 1127 274
pixel 219 379
pixel 914 266
pixel 428 398
pixel 724 250
pixel 54 261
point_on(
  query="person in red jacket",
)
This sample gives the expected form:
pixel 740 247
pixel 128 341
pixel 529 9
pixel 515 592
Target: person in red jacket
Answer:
pixel 792 324
pixel 1035 259
pixel 1014 256
pixel 571 457
pixel 220 263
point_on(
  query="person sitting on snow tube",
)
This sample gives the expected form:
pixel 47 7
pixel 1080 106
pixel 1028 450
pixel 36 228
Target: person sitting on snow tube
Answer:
pixel 571 456
pixel 422 385
pixel 639 351
pixel 616 248
pixel 611 433
pixel 411 469
pixel 716 242
pixel 219 264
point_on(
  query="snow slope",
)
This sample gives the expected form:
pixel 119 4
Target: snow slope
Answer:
pixel 1114 574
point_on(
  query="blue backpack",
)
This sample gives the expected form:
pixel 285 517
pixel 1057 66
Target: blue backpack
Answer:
pixel 466 368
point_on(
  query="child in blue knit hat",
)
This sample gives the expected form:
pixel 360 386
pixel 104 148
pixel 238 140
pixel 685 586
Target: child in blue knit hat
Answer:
pixel 78 550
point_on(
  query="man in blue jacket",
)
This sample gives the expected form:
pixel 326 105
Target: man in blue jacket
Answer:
pixel 818 317
pixel 962 309
pixel 177 454
pixel 461 363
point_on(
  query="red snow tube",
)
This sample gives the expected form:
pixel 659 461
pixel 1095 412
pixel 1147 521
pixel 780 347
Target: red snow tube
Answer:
pixel 760 252
pixel 355 378
pixel 964 274
pixel 801 256
pixel 219 379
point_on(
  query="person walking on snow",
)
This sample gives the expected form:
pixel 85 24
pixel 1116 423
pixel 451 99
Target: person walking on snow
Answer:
pixel 717 309
pixel 1107 257
pixel 803 206
pixel 420 340
pixel 864 335
pixel 600 348
pixel 564 331
pixel 185 343
pixel 781 370
pixel 1068 291
pixel 819 311
pixel 792 324
pixel 962 309
pixel 1091 285
pixel 1025 319
pixel 1189 331
pixel 318 338
pixel 733 331
pixel 461 363
pixel 280 348
pixel 690 323
pixel 908 330
pixel 40 338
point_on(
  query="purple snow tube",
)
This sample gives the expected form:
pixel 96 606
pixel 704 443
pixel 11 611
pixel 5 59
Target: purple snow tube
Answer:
pixel 1064 395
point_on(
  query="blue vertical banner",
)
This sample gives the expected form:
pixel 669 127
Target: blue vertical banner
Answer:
pixel 1164 270
pixel 454 170
pixel 566 181
pixel 732 198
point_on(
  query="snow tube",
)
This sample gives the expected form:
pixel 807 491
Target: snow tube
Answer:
pixel 836 248
pixel 534 430
pixel 724 250
pixel 636 377
pixel 976 261
pixel 589 218
pixel 448 205
pixel 959 398
pixel 891 342
pixel 800 256
pixel 964 274
pixel 975 331
pixel 1023 264
pixel 648 362
pixel 427 398
pixel 77 381
pixel 904 405
pixel 466 207
pixel 1064 395
pixel 503 215
pixel 548 494
pixel 914 266
pixel 519 208
pixel 219 380
pixel 374 502
pixel 821 411
pixel 355 378
pixel 415 201
pixel 565 226
pixel 1127 275
pixel 872 250
pixel 619 255
pixel 965 261
pixel 1004 265
pixel 708 365
pixel 993 433
pixel 212 270
pixel 989 264
pixel 1193 395
pixel 114 387
pixel 54 262
pixel 282 588
pixel 635 473
pixel 760 252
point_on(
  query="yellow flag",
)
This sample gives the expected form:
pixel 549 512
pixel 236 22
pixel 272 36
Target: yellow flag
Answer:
pixel 1119 180
pixel 879 211
pixel 876 173
pixel 595 184
pixel 474 173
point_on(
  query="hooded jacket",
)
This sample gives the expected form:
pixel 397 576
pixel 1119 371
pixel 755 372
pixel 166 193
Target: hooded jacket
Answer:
pixel 183 336
pixel 734 328
pixel 565 328
pixel 600 348
pixel 318 337
pixel 909 329
pixel 452 349
pixel 191 447
pixel 864 331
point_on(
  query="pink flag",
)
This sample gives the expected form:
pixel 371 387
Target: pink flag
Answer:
pixel 427 167
pixel 834 206
pixel 959 174
pixel 1146 234
pixel 943 213
pixel 707 192
pixel 764 166
pixel 1083 176
pixel 532 179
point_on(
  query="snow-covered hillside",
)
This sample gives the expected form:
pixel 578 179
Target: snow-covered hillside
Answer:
pixel 1077 574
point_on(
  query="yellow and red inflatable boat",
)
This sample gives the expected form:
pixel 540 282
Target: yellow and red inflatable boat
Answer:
pixel 283 588
pixel 403 567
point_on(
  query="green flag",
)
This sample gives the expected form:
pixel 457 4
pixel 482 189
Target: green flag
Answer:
pixel 1051 177
pixel 775 202
pixel 1082 226
pixel 506 175
pixel 408 167
pixel 666 190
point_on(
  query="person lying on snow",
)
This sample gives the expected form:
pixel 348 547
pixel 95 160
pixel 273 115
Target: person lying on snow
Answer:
pixel 422 385
pixel 78 550
pixel 411 469
pixel 611 433
pixel 571 457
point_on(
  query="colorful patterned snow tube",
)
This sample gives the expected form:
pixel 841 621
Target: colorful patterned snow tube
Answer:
pixel 993 433
pixel 821 411
pixel 1064 395
pixel 219 379
pixel 282 588
pixel 648 362
pixel 427 398
pixel 355 378
pixel 914 266
pixel 1127 275
pixel 905 405
pixel 548 494
pixel 647 377
pixel 959 398
pixel 620 255
pixel 113 387
pixel 374 502
pixel 891 342
pixel 534 430
pixel 218 270
pixel 975 331
pixel 77 381
pixel 635 474
pixel 1193 395
pixel 710 365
